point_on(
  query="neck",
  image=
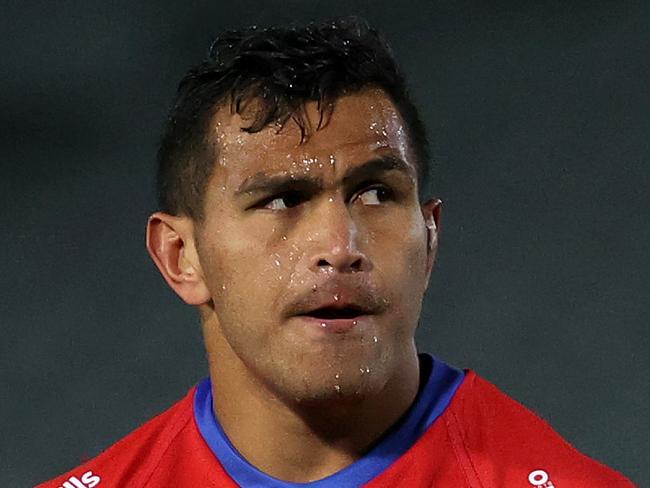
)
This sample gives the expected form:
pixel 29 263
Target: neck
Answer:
pixel 296 442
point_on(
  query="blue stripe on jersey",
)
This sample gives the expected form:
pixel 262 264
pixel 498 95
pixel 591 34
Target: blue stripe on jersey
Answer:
pixel 441 383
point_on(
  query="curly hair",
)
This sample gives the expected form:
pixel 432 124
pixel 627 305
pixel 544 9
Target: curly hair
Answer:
pixel 283 68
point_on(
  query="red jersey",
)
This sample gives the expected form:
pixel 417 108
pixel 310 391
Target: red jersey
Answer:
pixel 460 432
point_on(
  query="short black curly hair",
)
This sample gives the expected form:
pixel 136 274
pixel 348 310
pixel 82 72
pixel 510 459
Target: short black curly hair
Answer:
pixel 283 67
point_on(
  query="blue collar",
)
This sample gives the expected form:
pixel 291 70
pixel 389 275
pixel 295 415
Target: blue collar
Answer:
pixel 440 384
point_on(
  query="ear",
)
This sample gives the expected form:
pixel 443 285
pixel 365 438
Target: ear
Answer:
pixel 170 243
pixel 431 211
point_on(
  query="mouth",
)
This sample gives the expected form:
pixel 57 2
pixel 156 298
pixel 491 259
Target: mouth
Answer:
pixel 332 313
pixel 337 308
pixel 334 320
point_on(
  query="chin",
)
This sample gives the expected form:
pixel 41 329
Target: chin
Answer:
pixel 329 386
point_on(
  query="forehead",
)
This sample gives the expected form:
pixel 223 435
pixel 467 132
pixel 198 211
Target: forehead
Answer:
pixel 361 125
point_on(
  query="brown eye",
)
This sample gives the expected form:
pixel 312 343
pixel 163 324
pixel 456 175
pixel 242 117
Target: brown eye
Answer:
pixel 291 199
pixel 376 195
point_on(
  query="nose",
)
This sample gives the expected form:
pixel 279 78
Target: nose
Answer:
pixel 334 240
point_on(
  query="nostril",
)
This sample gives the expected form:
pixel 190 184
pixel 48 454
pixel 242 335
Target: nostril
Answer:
pixel 347 265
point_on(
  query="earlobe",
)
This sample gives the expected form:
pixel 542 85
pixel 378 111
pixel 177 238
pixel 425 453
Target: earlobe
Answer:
pixel 431 211
pixel 430 237
pixel 171 246
pixel 431 232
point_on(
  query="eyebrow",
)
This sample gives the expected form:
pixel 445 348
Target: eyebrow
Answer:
pixel 263 182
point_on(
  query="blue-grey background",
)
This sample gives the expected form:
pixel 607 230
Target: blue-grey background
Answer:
pixel 540 118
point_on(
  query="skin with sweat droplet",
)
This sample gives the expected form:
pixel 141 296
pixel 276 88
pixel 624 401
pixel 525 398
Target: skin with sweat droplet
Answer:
pixel 270 249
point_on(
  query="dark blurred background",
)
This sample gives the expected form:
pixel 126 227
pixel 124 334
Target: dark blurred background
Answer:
pixel 540 119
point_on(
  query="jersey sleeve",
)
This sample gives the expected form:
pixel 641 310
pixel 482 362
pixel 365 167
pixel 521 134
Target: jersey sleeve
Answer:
pixel 499 442
pixel 131 460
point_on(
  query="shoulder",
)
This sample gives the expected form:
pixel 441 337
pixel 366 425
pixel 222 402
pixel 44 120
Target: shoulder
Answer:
pixel 131 460
pixel 500 440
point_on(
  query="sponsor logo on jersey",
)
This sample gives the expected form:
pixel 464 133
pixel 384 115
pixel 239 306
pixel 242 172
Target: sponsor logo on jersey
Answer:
pixel 87 480
pixel 540 479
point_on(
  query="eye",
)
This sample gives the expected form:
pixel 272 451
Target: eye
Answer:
pixel 376 195
pixel 290 198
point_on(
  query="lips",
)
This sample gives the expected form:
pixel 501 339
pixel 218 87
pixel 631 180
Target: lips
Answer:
pixel 342 303
pixel 337 305
pixel 332 312
pixel 322 327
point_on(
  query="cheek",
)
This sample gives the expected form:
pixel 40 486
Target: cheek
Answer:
pixel 236 270
pixel 402 236
pixel 404 263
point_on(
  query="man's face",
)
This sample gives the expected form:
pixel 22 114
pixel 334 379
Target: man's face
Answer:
pixel 291 227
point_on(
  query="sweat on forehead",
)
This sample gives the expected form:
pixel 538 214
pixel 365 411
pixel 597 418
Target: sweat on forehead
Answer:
pixel 359 125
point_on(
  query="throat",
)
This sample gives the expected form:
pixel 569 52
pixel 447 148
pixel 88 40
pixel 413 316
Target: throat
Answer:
pixel 300 443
